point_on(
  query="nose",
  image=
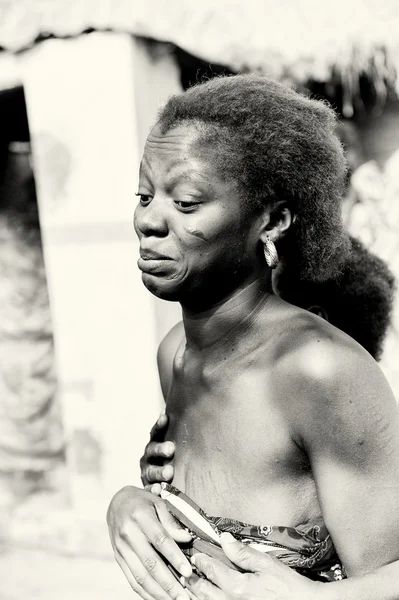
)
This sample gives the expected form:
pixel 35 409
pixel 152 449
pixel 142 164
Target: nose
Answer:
pixel 151 219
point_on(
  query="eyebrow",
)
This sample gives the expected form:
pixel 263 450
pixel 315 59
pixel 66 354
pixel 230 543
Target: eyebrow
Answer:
pixel 190 175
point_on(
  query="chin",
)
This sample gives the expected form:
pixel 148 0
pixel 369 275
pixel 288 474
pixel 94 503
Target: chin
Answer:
pixel 162 288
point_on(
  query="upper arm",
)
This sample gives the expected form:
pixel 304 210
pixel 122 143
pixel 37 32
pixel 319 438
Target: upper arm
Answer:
pixel 166 354
pixel 351 434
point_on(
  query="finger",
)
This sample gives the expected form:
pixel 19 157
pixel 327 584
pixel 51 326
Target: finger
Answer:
pixel 155 474
pixel 155 488
pixel 159 450
pixel 150 572
pixel 172 526
pixel 204 590
pixel 163 541
pixel 158 430
pixel 131 575
pixel 151 474
pixel 246 558
pixel 191 595
pixel 214 570
pixel 131 580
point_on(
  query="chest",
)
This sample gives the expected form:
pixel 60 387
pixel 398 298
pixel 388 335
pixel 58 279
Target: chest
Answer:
pixel 219 403
pixel 229 425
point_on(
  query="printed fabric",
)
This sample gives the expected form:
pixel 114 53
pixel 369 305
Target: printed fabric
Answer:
pixel 307 548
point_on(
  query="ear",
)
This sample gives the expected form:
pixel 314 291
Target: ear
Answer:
pixel 277 219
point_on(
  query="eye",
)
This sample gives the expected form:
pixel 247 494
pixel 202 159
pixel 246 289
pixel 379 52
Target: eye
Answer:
pixel 145 199
pixel 186 206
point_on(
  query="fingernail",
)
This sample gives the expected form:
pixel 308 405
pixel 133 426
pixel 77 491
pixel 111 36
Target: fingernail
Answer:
pixel 169 447
pixel 192 559
pixel 167 472
pixel 156 489
pixel 185 570
pixel 227 538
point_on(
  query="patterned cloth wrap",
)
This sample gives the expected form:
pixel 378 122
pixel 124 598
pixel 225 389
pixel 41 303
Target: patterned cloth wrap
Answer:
pixel 306 548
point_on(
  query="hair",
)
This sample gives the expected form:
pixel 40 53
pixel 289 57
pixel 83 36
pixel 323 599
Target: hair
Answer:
pixel 349 137
pixel 278 145
pixel 359 301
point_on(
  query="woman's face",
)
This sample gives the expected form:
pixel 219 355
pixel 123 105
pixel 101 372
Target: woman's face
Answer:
pixel 197 240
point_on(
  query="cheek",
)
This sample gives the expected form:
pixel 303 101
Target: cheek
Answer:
pixel 223 248
pixel 135 226
pixel 196 233
pixel 217 234
pixel 214 226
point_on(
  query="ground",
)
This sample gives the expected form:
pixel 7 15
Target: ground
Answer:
pixel 30 574
pixel 47 553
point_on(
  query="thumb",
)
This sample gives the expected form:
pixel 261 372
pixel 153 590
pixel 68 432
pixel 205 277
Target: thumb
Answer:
pixel 157 433
pixel 246 558
pixel 172 526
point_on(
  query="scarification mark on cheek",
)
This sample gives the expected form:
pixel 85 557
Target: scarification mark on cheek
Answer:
pixel 196 233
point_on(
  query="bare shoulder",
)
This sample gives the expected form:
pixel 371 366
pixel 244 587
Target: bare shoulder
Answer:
pixel 316 350
pixel 166 354
pixel 331 377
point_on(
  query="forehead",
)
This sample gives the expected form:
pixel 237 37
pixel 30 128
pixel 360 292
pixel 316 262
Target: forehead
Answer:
pixel 173 151
pixel 178 137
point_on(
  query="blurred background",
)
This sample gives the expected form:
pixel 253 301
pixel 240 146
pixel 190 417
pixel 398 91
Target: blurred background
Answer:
pixel 80 85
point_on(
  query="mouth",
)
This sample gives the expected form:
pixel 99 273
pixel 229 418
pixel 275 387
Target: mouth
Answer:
pixel 151 255
pixel 153 263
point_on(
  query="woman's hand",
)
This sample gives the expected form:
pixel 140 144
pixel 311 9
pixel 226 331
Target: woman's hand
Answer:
pixel 265 577
pixel 143 535
pixel 156 453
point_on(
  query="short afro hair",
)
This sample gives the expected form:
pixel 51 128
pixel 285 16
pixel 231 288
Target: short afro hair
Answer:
pixel 277 145
pixel 359 301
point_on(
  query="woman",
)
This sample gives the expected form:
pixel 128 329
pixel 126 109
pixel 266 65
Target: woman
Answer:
pixel 359 302
pixel 278 417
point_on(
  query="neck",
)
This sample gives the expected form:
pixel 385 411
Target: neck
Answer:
pixel 236 314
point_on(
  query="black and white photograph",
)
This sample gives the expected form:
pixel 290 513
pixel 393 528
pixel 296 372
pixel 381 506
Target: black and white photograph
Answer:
pixel 199 300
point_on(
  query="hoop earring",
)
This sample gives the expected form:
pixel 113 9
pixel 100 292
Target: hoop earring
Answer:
pixel 270 252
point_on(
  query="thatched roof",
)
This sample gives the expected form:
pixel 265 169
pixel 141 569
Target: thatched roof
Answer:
pixel 296 40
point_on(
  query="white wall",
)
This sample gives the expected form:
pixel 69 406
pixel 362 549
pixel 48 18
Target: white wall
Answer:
pixel 90 102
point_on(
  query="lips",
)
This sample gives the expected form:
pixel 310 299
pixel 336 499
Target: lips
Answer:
pixel 151 255
pixel 153 262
